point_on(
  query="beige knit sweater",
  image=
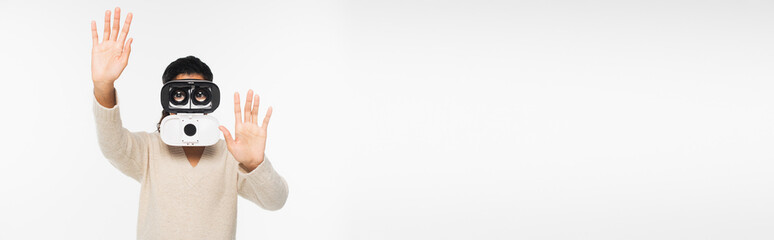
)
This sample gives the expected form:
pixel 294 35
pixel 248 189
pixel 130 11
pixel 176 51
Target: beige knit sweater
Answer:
pixel 178 201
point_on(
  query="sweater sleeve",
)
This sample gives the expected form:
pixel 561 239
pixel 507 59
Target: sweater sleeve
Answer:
pixel 263 186
pixel 127 151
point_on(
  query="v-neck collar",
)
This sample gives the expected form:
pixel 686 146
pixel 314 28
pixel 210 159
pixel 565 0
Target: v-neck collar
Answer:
pixel 193 175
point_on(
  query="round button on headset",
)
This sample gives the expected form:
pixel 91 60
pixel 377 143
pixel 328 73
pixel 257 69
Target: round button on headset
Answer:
pixel 189 129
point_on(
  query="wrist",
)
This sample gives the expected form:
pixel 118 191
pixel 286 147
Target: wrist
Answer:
pixel 103 86
pixel 252 165
pixel 105 94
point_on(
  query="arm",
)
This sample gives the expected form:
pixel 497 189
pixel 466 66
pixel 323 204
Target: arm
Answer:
pixel 126 151
pixel 263 186
pixel 258 182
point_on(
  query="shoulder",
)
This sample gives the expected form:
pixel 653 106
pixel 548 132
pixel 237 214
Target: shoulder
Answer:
pixel 220 149
pixel 156 145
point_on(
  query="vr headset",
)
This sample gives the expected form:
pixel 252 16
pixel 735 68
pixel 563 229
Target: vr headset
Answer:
pixel 190 100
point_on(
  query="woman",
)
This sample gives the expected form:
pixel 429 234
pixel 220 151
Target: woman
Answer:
pixel 187 192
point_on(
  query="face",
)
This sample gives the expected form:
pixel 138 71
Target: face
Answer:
pixel 188 76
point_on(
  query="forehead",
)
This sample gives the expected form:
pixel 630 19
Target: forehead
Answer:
pixel 189 76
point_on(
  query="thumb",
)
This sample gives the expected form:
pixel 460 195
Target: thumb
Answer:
pixel 227 135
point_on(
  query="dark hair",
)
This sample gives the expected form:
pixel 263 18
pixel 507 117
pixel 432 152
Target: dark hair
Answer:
pixel 185 65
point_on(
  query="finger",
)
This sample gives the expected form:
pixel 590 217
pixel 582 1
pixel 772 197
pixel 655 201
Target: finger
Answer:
pixel 237 109
pixel 106 33
pixel 227 136
pixel 254 112
pixel 94 38
pixel 127 50
pixel 116 22
pixel 248 105
pixel 125 30
pixel 266 119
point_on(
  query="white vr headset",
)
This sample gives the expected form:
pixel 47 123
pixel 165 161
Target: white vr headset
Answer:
pixel 190 100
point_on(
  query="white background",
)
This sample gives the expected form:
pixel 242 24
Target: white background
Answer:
pixel 419 119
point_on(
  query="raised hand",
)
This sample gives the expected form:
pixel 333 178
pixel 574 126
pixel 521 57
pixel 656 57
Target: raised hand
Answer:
pixel 109 57
pixel 250 142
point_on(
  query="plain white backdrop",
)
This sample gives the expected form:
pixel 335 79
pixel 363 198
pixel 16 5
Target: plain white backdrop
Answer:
pixel 419 119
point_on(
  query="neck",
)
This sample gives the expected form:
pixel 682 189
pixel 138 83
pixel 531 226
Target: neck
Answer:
pixel 193 150
pixel 194 154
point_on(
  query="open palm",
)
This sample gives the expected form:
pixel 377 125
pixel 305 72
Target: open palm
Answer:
pixel 109 57
pixel 250 142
